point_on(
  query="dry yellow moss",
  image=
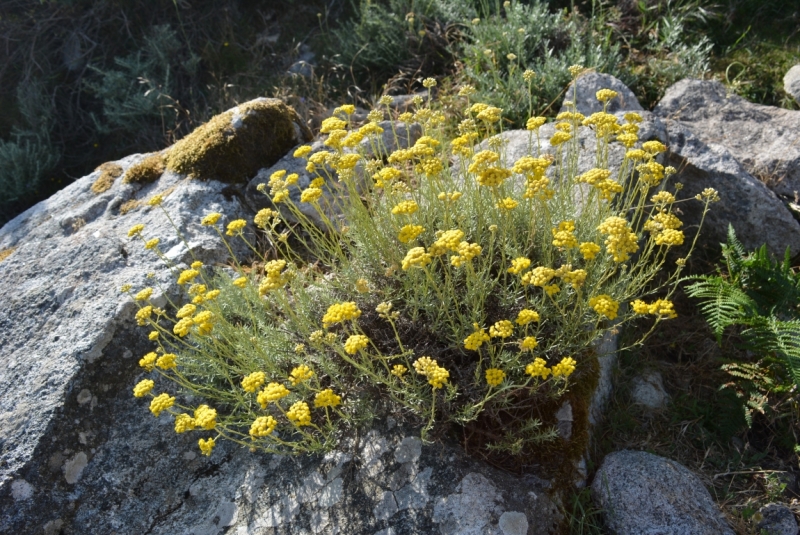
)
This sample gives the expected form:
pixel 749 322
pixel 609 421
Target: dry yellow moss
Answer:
pixel 129 206
pixel 219 151
pixel 6 253
pixel 109 172
pixel 146 171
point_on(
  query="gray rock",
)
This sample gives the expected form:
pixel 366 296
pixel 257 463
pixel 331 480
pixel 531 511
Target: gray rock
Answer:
pixel 755 212
pixel 647 389
pixel 333 191
pixel 791 82
pixel 587 85
pixel 764 139
pixel 641 493
pixel 777 519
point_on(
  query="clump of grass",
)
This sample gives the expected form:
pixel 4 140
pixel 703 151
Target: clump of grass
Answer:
pixel 109 172
pixel 147 171
pixel 446 280
pixel 5 253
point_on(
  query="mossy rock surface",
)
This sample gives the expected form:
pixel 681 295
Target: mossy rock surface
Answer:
pixel 146 171
pixel 234 145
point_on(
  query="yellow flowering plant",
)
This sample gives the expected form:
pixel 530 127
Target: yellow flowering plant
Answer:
pixel 443 279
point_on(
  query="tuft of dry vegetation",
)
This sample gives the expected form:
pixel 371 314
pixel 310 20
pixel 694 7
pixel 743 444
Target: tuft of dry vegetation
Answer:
pixel 109 172
pixel 147 171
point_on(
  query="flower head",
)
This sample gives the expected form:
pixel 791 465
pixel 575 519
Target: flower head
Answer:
pixel 494 376
pixel 263 426
pixel 272 392
pixel 143 388
pixel 327 398
pixel 300 374
pixel 299 414
pixel 206 446
pixel 161 403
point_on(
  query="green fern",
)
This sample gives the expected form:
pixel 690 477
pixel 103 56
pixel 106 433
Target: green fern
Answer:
pixel 757 294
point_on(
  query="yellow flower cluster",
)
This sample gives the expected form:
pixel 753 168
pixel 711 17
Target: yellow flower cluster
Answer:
pixel 663 308
pixel 187 275
pixel 299 414
pixel 564 368
pixel 589 250
pixel 494 376
pixel 416 257
pixel 340 312
pixel 564 236
pixel 398 370
pixel 621 240
pixel 528 343
pixel 538 368
pixel 148 361
pixel 161 403
pixel 327 398
pixel 253 381
pixel 205 417
pixel 143 388
pixel 167 361
pixel 210 219
pixel 437 376
pixel 518 265
pixel 272 392
pixel 299 374
pixel 263 426
pixel 235 227
pixel 405 208
pixel 447 241
pixel 184 423
pixel 206 446
pixel 538 276
pixel 501 329
pixel 527 316
pixel 604 305
pixel 476 339
pixel 409 233
pixel 355 343
pixel 275 278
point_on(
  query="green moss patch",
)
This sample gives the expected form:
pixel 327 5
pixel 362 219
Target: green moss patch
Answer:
pixel 233 153
pixel 109 172
pixel 146 171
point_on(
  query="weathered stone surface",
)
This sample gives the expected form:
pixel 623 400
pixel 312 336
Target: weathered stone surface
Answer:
pixel 791 82
pixel 589 84
pixel 764 139
pixel 61 305
pixel 777 519
pixel 647 389
pixel 333 191
pixel 644 493
pixel 755 212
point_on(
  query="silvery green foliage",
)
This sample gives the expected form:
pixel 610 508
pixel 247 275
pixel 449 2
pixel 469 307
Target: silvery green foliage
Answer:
pixel 547 43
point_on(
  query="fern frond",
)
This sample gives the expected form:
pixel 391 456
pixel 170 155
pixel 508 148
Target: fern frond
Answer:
pixel 781 337
pixel 722 303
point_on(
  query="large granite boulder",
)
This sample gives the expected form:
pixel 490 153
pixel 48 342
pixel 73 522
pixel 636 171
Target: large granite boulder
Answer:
pixel 764 139
pixel 643 493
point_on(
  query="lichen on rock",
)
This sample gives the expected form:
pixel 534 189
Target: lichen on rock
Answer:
pixel 234 145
